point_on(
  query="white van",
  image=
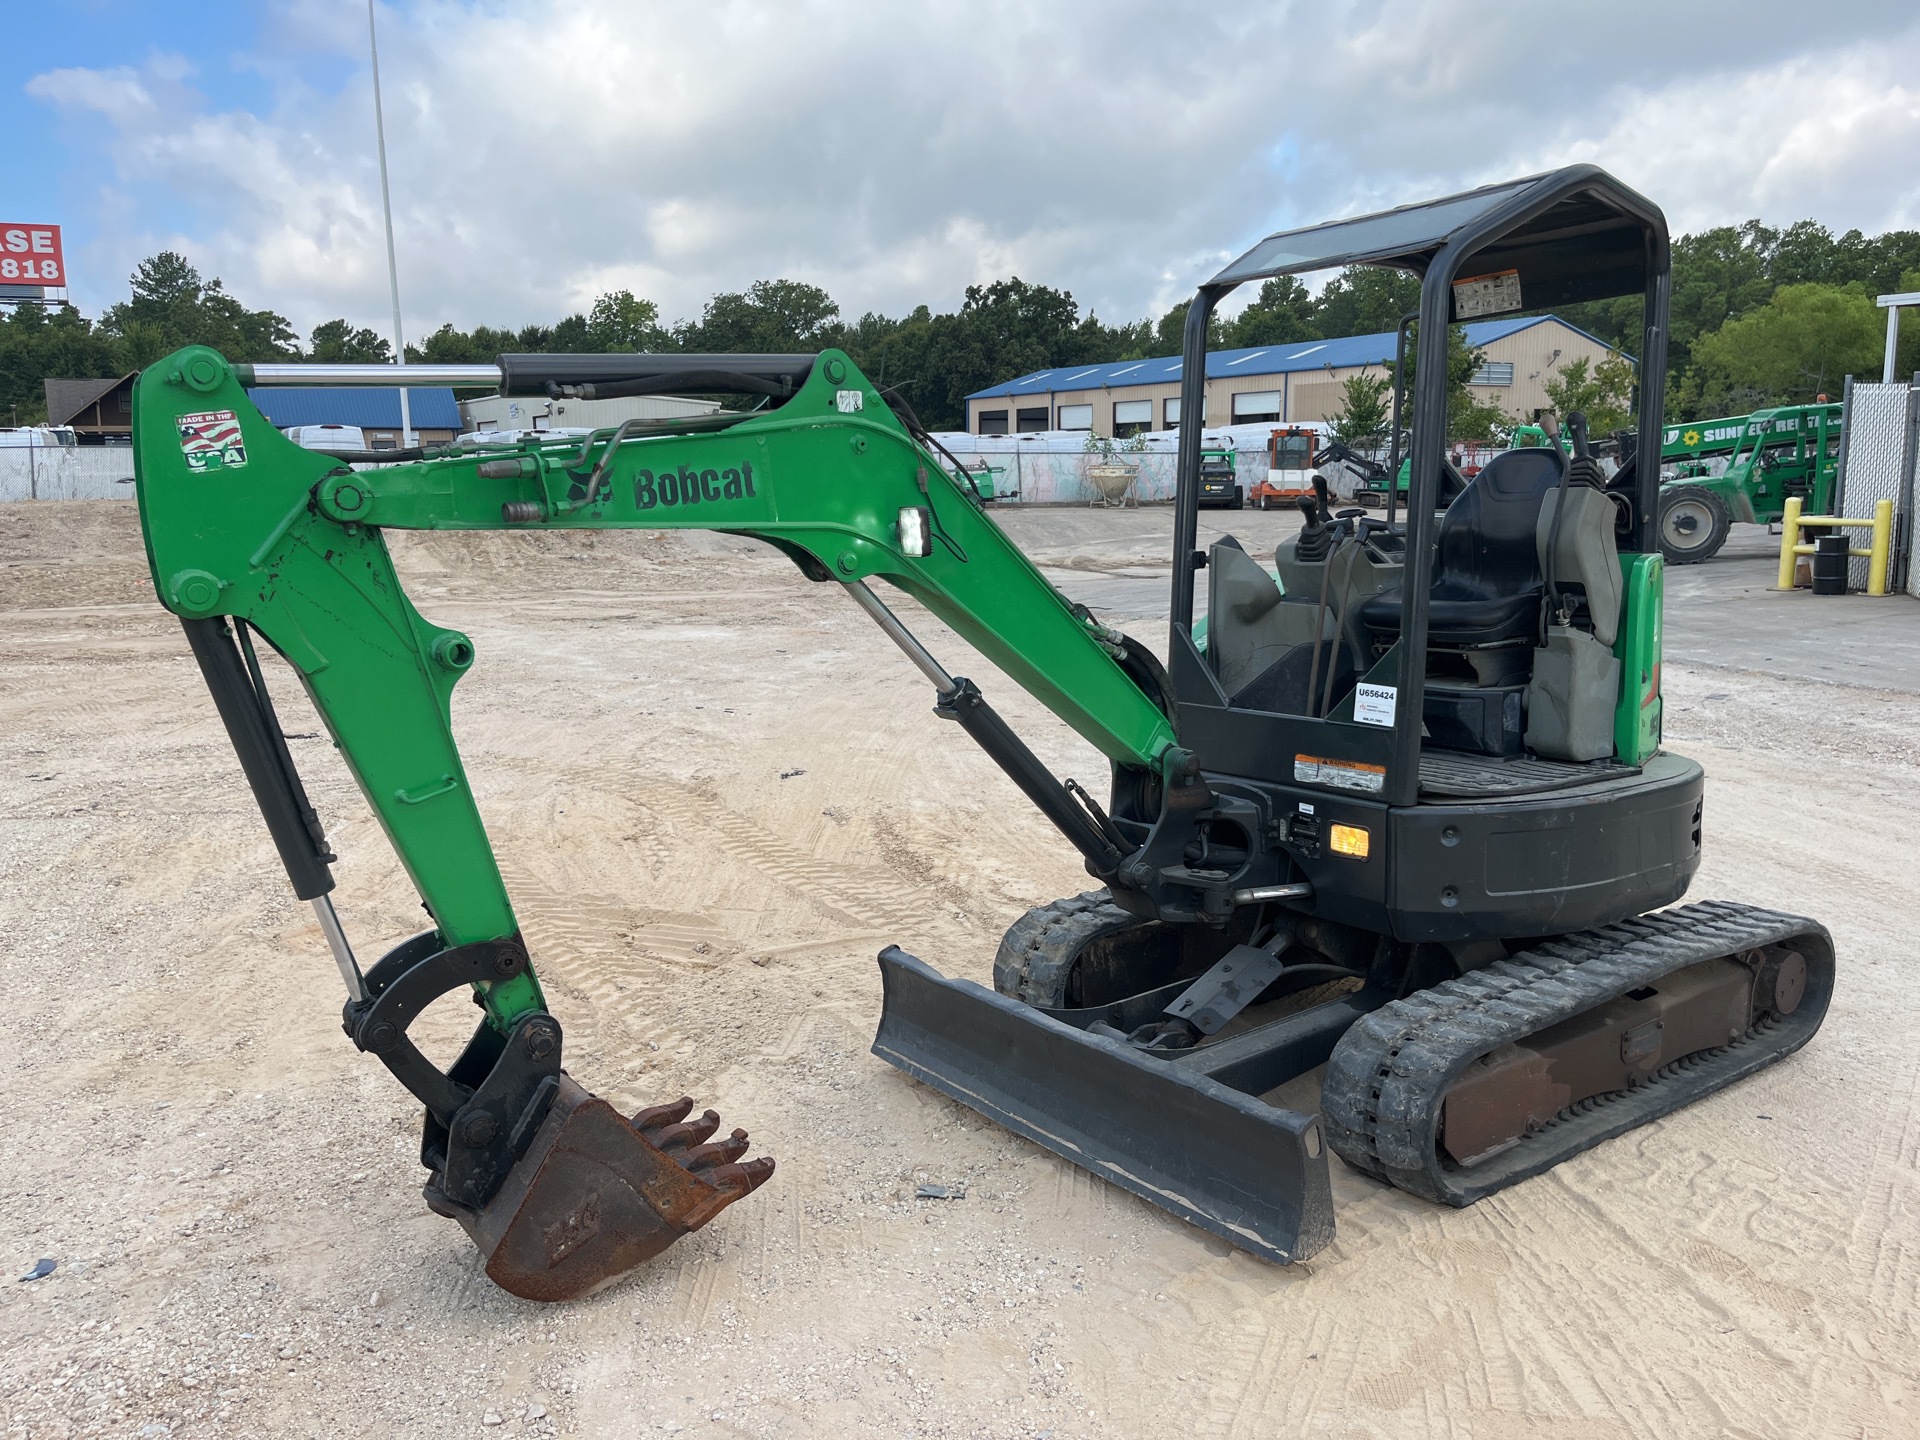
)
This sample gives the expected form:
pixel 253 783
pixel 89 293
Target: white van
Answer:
pixel 38 437
pixel 327 437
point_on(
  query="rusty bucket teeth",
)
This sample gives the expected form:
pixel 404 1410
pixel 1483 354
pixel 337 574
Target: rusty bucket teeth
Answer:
pixel 596 1194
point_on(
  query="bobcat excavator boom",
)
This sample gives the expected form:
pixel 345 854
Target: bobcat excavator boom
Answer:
pixel 1405 815
pixel 249 535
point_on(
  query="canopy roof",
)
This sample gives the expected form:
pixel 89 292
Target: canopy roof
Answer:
pixel 1571 234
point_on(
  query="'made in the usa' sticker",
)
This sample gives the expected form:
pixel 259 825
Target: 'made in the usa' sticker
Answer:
pixel 211 440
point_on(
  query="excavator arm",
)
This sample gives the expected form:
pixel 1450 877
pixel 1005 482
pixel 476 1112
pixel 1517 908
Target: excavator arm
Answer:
pixel 248 534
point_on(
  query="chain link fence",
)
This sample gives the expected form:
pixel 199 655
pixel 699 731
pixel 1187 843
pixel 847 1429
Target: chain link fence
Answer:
pixel 1877 459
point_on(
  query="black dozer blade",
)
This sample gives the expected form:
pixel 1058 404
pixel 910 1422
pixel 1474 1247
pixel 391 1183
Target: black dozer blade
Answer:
pixel 1253 1174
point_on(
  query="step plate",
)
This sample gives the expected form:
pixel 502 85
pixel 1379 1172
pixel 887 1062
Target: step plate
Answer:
pixel 1252 1173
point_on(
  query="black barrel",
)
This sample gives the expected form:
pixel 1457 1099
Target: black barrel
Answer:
pixel 1830 565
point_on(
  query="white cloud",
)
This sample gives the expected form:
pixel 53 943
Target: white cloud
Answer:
pixel 895 154
pixel 1748 146
pixel 117 94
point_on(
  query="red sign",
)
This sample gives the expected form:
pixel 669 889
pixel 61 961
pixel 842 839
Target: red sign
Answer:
pixel 30 255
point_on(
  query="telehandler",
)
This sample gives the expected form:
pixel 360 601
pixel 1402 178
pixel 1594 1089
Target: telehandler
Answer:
pixel 1408 818
pixel 1777 454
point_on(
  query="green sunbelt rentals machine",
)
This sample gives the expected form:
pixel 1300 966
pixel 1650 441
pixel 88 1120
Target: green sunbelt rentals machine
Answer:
pixel 1408 819
pixel 1773 456
pixel 1688 450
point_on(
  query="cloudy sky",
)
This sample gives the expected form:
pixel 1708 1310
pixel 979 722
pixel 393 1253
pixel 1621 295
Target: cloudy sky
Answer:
pixel 894 153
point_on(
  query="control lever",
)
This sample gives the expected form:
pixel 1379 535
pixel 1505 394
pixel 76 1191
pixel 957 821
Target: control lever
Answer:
pixel 1577 428
pixel 1315 540
pixel 1322 498
pixel 1584 469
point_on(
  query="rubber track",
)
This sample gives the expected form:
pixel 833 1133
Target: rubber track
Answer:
pixel 1380 1103
pixel 1036 954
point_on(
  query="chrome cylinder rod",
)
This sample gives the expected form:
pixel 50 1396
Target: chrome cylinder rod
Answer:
pixel 901 636
pixel 465 376
pixel 1260 893
pixel 342 951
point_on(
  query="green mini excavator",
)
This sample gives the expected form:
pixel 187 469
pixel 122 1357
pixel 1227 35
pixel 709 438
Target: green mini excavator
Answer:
pixel 1402 813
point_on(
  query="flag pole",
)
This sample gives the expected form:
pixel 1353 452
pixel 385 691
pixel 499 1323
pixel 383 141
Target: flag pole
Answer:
pixel 386 204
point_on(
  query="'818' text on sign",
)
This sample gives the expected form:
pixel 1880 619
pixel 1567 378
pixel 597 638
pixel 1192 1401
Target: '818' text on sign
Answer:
pixel 30 255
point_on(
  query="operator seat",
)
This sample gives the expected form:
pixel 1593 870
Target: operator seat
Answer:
pixel 1487 584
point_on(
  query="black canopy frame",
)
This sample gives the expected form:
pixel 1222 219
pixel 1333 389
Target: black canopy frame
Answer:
pixel 1571 234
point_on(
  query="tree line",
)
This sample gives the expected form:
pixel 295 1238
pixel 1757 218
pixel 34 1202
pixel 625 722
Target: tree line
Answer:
pixel 1760 316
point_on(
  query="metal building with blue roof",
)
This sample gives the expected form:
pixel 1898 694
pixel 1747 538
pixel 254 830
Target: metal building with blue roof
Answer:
pixel 1283 384
pixel 433 410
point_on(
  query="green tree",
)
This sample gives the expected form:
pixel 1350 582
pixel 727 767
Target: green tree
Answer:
pixel 1135 340
pixel 1170 334
pixel 172 305
pixel 770 317
pixel 1804 341
pixel 39 342
pixel 1603 392
pixel 869 340
pixel 1366 299
pixel 1906 364
pixel 1282 313
pixel 336 341
pixel 1717 273
pixel 617 322
pixel 1616 322
pixel 620 323
pixel 448 346
pixel 1888 262
pixel 1004 329
pixel 1365 410
pixel 1481 422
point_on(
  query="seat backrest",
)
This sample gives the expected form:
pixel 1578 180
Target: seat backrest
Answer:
pixel 1485 545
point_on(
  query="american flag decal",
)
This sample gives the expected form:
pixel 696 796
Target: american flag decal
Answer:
pixel 211 440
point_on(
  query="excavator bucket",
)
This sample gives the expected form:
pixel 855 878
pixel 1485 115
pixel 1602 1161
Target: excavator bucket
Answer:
pixel 1254 1174
pixel 596 1194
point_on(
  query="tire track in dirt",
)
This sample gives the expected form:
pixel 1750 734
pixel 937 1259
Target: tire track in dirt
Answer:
pixel 847 896
pixel 1880 1253
pixel 1582 1258
pixel 1883 1235
pixel 576 941
pixel 857 897
pixel 695 1289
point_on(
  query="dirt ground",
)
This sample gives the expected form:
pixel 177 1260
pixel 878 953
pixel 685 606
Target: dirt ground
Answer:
pixel 717 792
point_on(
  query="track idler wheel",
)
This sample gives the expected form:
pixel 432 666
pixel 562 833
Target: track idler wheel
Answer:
pixel 596 1195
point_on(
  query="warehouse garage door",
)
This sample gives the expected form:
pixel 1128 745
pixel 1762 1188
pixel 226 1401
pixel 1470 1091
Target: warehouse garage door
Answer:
pixel 1256 407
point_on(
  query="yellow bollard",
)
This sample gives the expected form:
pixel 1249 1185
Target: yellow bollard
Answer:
pixel 1882 550
pixel 1789 540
